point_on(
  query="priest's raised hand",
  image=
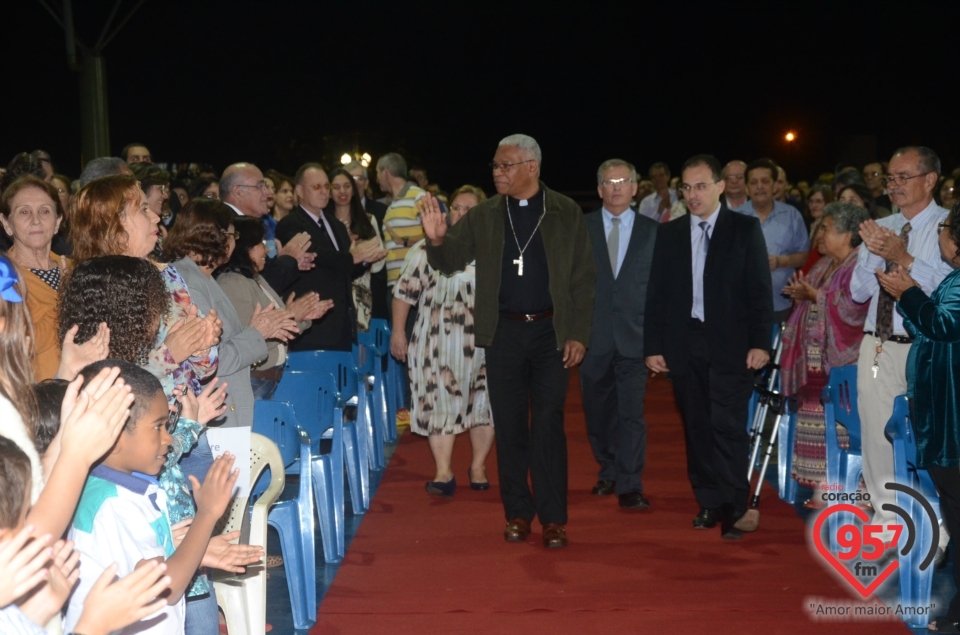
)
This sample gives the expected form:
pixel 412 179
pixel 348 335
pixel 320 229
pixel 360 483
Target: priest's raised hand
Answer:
pixel 433 220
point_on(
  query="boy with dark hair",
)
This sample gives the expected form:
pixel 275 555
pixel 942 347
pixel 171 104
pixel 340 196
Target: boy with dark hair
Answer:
pixel 41 586
pixel 122 512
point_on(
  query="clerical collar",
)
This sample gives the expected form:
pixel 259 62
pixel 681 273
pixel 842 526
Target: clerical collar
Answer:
pixel 533 200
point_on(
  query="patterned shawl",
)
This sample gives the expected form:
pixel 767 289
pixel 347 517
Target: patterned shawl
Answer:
pixel 834 324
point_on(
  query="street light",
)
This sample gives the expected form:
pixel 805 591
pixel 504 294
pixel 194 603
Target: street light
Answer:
pixel 790 136
pixel 345 159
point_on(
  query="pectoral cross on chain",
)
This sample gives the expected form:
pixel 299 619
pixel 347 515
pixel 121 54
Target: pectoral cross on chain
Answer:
pixel 519 263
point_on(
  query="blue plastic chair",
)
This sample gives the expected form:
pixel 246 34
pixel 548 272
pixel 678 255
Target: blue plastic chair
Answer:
pixel 915 584
pixel 368 364
pixel 350 380
pixel 375 345
pixel 392 377
pixel 845 467
pixel 318 409
pixel 396 377
pixel 293 518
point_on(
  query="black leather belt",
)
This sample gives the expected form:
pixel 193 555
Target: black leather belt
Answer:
pixel 527 317
pixel 899 339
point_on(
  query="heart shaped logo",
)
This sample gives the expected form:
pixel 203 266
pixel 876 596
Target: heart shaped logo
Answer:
pixel 836 563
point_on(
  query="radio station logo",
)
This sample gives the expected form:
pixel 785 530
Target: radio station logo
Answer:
pixel 857 550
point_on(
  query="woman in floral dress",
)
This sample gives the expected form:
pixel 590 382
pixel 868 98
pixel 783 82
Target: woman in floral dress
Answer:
pixel 447 371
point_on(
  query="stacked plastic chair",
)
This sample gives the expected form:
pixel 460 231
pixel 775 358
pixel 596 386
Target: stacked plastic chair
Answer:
pixel 371 356
pixel 915 584
pixel 844 467
pixel 293 518
pixel 311 396
pixel 392 377
pixel 318 411
pixel 350 380
pixel 243 597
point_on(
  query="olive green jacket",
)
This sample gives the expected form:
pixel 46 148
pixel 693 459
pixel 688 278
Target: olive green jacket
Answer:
pixel 480 236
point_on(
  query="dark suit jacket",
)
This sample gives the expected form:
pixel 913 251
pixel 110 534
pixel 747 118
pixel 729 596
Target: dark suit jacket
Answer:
pixel 280 272
pixel 331 278
pixel 737 303
pixel 378 209
pixel 618 304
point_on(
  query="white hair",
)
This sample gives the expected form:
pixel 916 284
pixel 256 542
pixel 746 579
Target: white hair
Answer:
pixel 525 143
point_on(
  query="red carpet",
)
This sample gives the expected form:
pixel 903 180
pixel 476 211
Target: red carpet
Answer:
pixel 424 565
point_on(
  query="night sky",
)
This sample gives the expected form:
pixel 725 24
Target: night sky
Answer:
pixel 279 83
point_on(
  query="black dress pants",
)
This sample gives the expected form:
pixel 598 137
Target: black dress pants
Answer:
pixel 613 388
pixel 947 480
pixel 527 384
pixel 713 405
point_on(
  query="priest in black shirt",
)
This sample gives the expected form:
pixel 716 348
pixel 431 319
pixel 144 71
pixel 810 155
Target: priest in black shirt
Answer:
pixel 534 302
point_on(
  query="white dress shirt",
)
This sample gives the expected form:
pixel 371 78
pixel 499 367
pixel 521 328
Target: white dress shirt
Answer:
pixel 650 205
pixel 322 221
pixel 626 227
pixel 699 257
pixel 928 268
pixel 234 208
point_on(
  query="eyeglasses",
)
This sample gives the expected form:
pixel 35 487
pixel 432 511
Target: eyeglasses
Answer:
pixel 359 177
pixel 696 187
pixel 235 234
pixel 612 182
pixel 460 208
pixel 503 167
pixel 940 226
pixel 900 179
pixel 262 185
pixel 733 177
pixel 316 187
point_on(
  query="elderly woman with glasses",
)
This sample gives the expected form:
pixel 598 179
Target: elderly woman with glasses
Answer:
pixel 823 331
pixel 933 383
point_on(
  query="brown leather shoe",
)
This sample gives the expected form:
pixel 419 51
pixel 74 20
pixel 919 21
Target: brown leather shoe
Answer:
pixel 517 530
pixel 554 535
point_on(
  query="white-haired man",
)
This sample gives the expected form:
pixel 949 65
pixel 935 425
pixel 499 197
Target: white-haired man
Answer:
pixel 534 303
pixel 242 188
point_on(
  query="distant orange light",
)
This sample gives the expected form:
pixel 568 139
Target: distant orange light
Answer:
pixel 790 136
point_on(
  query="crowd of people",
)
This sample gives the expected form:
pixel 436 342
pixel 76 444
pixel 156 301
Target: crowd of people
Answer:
pixel 140 307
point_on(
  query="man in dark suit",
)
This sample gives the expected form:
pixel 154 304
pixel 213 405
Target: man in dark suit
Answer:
pixel 708 323
pixel 336 264
pixel 613 377
pixel 244 190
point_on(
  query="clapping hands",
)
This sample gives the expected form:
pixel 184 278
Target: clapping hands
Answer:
pixel 274 324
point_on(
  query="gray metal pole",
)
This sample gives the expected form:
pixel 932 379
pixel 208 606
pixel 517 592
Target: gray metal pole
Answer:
pixel 94 115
